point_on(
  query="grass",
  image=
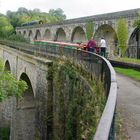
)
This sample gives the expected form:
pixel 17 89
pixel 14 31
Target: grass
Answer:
pixel 129 60
pixel 129 72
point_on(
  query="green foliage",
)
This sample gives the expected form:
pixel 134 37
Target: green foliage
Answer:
pixel 4 133
pixel 77 106
pixel 137 21
pixel 129 72
pixel 5 26
pixel 89 29
pixel 17 38
pixel 128 60
pixel 58 14
pixel 122 34
pixel 6 30
pixel 22 15
pixel 9 86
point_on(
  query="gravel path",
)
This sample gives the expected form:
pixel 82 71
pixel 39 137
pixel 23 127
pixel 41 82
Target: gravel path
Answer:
pixel 128 103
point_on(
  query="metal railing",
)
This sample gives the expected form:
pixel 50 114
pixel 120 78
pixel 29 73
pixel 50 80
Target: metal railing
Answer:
pixel 92 63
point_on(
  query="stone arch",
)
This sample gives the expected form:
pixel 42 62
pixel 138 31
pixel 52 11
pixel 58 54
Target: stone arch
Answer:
pixel 47 34
pixel 25 113
pixel 30 35
pixel 133 49
pixel 24 33
pixel 19 32
pixel 29 93
pixel 78 35
pixel 108 32
pixel 37 35
pixel 7 66
pixel 60 35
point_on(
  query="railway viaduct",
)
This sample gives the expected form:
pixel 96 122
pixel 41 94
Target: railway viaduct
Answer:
pixel 74 30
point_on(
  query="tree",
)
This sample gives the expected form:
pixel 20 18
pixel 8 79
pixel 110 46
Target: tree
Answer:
pixel 22 15
pixel 58 13
pixel 22 10
pixel 36 10
pixel 19 17
pixel 89 29
pixel 9 86
pixel 5 26
pixel 122 34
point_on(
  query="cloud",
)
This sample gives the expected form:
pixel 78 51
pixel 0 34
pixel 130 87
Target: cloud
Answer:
pixel 72 8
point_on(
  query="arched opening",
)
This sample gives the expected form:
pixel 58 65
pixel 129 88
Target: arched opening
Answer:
pixel 47 35
pixel 19 32
pixel 133 49
pixel 78 35
pixel 25 113
pixel 37 35
pixel 110 36
pixel 7 66
pixel 60 35
pixel 24 33
pixel 28 96
pixel 30 35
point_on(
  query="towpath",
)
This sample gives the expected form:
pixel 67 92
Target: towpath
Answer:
pixel 128 103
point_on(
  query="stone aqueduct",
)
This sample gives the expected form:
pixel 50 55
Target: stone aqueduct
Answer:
pixel 27 117
pixel 19 115
pixel 74 30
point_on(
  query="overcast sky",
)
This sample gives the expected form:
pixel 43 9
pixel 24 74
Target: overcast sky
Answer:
pixel 72 8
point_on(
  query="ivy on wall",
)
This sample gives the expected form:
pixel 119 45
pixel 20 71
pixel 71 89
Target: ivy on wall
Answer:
pixel 78 102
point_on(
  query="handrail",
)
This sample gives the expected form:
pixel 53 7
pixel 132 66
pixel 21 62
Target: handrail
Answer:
pixel 104 126
pixel 105 69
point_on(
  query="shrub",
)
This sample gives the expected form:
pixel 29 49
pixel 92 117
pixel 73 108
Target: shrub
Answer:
pixel 122 34
pixel 17 37
pixel 89 29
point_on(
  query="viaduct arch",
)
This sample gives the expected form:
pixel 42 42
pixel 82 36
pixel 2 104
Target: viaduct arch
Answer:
pixel 47 35
pixel 7 66
pixel 78 35
pixel 60 35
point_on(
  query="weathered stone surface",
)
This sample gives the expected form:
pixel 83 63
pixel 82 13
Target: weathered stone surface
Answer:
pixel 22 115
pixel 6 112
